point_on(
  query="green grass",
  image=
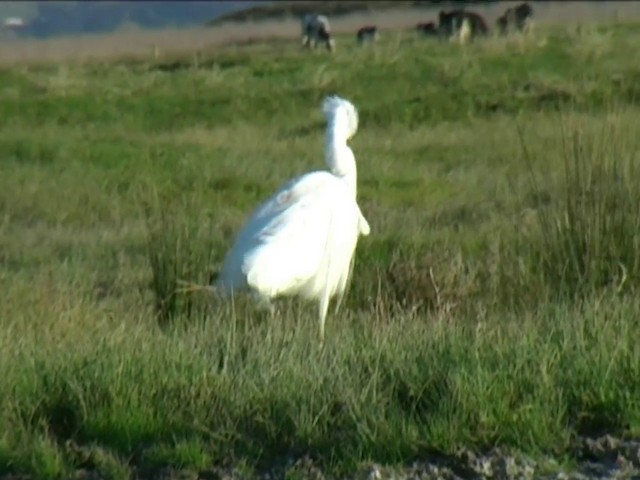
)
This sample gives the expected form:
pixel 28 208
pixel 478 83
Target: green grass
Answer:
pixel 495 302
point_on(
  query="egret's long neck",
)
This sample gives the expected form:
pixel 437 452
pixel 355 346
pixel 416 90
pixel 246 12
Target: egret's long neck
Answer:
pixel 339 157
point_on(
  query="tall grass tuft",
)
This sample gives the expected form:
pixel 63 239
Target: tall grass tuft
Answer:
pixel 180 252
pixel 589 230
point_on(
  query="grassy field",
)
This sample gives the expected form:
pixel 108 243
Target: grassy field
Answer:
pixel 495 302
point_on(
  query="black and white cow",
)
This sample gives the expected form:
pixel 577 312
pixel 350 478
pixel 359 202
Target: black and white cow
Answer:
pixel 316 29
pixel 460 23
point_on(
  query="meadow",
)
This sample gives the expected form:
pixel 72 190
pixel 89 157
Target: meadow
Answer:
pixel 494 303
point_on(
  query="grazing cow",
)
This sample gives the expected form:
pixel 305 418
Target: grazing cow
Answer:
pixel 316 29
pixel 515 18
pixel 451 24
pixel 427 29
pixel 367 34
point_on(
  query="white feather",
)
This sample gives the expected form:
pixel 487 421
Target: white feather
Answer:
pixel 302 240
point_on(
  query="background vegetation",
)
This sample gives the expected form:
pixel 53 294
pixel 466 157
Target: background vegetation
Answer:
pixel 46 19
pixel 283 9
pixel 495 302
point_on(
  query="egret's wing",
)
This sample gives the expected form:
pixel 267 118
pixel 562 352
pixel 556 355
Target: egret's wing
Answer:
pixel 285 240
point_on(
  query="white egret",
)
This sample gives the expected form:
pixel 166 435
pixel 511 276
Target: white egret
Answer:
pixel 302 240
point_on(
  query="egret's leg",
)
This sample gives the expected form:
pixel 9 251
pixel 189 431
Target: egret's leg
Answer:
pixel 342 288
pixel 340 297
pixel 267 312
pixel 271 308
pixel 324 306
pixel 264 303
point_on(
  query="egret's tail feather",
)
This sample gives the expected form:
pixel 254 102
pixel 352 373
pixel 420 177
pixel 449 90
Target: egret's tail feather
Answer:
pixel 363 225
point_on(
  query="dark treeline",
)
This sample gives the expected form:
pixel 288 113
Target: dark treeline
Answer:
pixel 85 17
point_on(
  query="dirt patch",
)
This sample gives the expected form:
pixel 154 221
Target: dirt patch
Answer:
pixel 601 458
pixel 153 43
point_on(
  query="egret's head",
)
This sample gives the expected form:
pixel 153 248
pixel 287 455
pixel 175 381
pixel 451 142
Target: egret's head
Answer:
pixel 341 115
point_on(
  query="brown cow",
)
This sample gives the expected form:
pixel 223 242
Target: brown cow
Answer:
pixel 367 34
pixel 427 29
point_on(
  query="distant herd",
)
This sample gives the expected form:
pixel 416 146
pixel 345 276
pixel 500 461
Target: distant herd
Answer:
pixel 459 25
